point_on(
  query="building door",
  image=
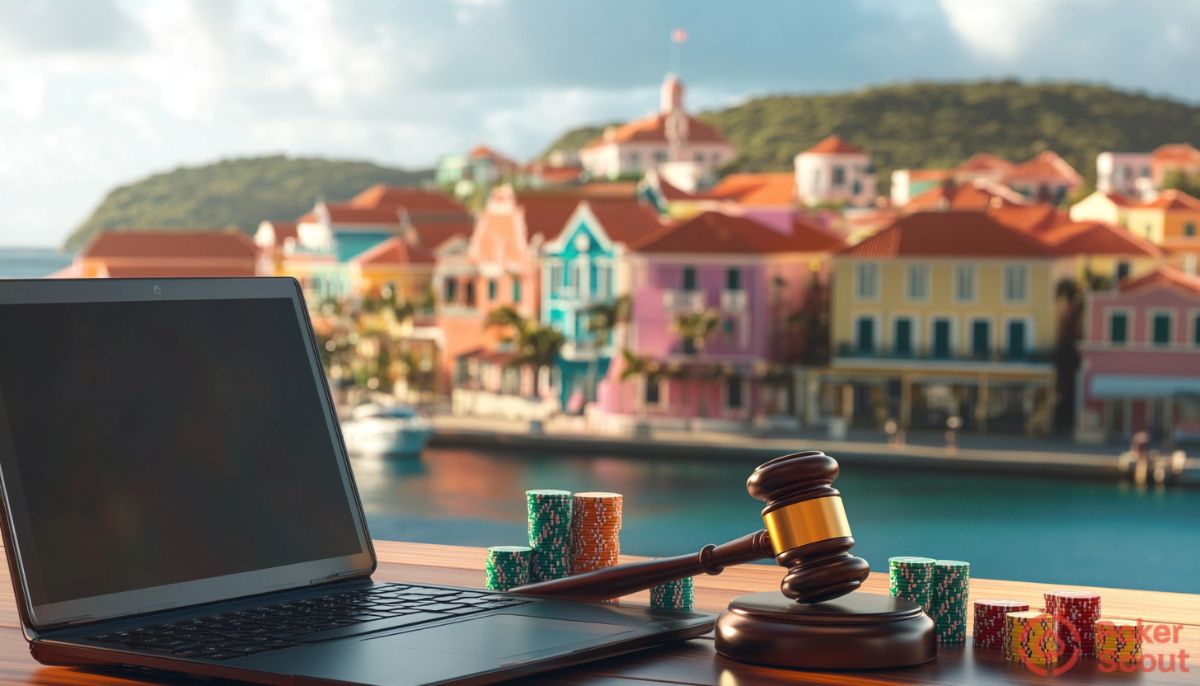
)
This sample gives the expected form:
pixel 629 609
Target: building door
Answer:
pixel 866 335
pixel 1017 347
pixel 902 343
pixel 981 339
pixel 941 338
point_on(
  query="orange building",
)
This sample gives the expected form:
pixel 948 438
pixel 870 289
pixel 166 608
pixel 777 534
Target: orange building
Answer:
pixel 166 253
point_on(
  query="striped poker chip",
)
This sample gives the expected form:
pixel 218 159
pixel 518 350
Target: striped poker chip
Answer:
pixel 507 566
pixel 1030 637
pixel 1078 609
pixel 549 516
pixel 1117 641
pixel 912 578
pixel 990 621
pixel 596 519
pixel 673 595
pixel 948 601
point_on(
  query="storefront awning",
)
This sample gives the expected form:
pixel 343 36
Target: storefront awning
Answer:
pixel 1137 386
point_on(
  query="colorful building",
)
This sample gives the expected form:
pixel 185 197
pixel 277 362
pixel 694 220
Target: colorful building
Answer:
pixel 480 167
pixel 669 136
pixel 943 314
pixel 166 253
pixel 1140 366
pixel 1124 173
pixel 835 171
pixel 1102 206
pixel 752 282
pixel 1172 219
pixel 579 273
pixel 1174 158
pixel 1045 177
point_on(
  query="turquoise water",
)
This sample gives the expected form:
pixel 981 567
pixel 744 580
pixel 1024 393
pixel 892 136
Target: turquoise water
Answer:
pixel 28 263
pixel 1022 528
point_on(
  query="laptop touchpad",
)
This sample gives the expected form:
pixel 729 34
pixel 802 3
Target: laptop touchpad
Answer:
pixel 501 636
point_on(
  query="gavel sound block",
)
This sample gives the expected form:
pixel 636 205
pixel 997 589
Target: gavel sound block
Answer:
pixel 819 620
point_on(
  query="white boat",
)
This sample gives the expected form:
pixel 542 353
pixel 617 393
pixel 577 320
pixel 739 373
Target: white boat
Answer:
pixel 375 429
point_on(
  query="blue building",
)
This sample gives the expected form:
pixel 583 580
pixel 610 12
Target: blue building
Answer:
pixel 580 271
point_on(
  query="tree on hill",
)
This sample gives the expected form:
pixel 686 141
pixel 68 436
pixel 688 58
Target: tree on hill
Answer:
pixel 941 124
pixel 235 193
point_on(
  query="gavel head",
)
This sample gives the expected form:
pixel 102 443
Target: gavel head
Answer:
pixel 807 526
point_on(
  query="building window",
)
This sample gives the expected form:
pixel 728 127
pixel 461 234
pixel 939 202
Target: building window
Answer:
pixel 469 293
pixel 941 343
pixel 1017 339
pixel 1189 229
pixel 733 393
pixel 981 338
pixel 634 160
pixel 1122 271
pixel 516 289
pixel 492 290
pixel 699 157
pixel 653 391
pixel 660 156
pixel 600 285
pixel 733 279
pixel 866 279
pixel 1118 328
pixel 450 290
pixel 1160 328
pixel 864 330
pixel 838 176
pixel 902 340
pixel 918 281
pixel 556 278
pixel 728 328
pixel 689 346
pixel 964 283
pixel 1016 283
pixel 689 278
pixel 1196 329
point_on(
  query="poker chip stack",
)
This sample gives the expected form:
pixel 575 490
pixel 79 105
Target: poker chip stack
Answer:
pixel 1118 642
pixel 990 621
pixel 673 595
pixel 1030 637
pixel 912 578
pixel 507 567
pixel 1075 609
pixel 595 531
pixel 948 602
pixel 549 533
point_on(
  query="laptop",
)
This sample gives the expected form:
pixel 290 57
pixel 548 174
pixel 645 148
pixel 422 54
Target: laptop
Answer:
pixel 177 498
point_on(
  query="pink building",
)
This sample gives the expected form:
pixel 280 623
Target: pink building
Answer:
pixel 1141 359
pixel 753 280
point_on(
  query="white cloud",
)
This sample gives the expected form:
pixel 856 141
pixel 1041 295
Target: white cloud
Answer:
pixel 998 29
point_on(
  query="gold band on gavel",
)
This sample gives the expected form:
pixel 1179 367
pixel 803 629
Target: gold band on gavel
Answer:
pixel 807 521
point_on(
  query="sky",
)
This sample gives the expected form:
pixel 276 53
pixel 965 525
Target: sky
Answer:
pixel 99 93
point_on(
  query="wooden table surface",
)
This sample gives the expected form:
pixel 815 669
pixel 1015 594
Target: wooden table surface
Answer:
pixel 695 662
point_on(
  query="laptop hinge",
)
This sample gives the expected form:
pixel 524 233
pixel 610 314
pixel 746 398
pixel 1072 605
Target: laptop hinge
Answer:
pixel 333 577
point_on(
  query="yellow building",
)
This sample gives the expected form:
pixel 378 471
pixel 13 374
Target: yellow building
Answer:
pixel 1172 218
pixel 1102 207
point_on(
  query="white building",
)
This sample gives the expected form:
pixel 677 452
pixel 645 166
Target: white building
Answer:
pixel 1127 173
pixel 670 135
pixel 835 171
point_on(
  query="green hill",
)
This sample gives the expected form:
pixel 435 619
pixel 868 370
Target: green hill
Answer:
pixel 237 192
pixel 940 124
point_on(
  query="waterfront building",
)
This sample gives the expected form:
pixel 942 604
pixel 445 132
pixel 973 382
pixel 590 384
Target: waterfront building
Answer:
pixel 1102 206
pixel 1124 173
pixel 396 268
pixel 1140 368
pixel 668 137
pixel 983 166
pixel 1045 177
pixel 1171 159
pixel 579 270
pixel 1172 219
pixel 970 194
pixel 909 183
pixel 716 300
pixel 480 167
pixel 834 171
pixel 166 253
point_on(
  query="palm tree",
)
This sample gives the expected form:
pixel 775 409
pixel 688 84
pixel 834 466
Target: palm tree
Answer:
pixel 695 328
pixel 602 321
pixel 536 345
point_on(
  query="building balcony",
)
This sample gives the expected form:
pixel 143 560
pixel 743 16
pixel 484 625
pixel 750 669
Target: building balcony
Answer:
pixel 733 301
pixel 848 354
pixel 683 301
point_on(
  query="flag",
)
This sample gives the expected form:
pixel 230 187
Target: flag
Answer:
pixel 679 35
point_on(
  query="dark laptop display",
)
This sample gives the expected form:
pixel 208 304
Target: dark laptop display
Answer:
pixel 188 437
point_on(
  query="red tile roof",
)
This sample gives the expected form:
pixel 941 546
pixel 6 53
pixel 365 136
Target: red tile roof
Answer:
pixel 948 234
pixel 553 175
pixel 653 129
pixel 283 230
pixel 1172 199
pixel 1034 218
pixel 604 189
pixel 1120 200
pixel 670 191
pixel 394 252
pixel 179 243
pixel 765 188
pixel 414 200
pixel 972 195
pixel 1046 166
pixel 625 221
pixel 835 145
pixel 432 233
pixel 719 233
pixel 343 213
pixel 1176 154
pixel 545 214
pixel 168 271
pixel 1097 238
pixel 984 162
pixel 1165 277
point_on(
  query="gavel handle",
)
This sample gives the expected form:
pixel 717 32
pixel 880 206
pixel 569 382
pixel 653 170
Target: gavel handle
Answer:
pixel 613 582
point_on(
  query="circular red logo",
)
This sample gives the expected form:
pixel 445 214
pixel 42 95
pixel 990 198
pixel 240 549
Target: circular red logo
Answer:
pixel 1051 668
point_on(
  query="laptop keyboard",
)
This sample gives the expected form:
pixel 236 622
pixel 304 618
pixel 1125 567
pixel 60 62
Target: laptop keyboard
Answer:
pixel 281 625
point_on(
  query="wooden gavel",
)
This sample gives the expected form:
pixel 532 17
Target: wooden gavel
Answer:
pixel 806 532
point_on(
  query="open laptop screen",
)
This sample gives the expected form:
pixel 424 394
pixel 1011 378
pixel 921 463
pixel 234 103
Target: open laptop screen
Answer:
pixel 159 442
